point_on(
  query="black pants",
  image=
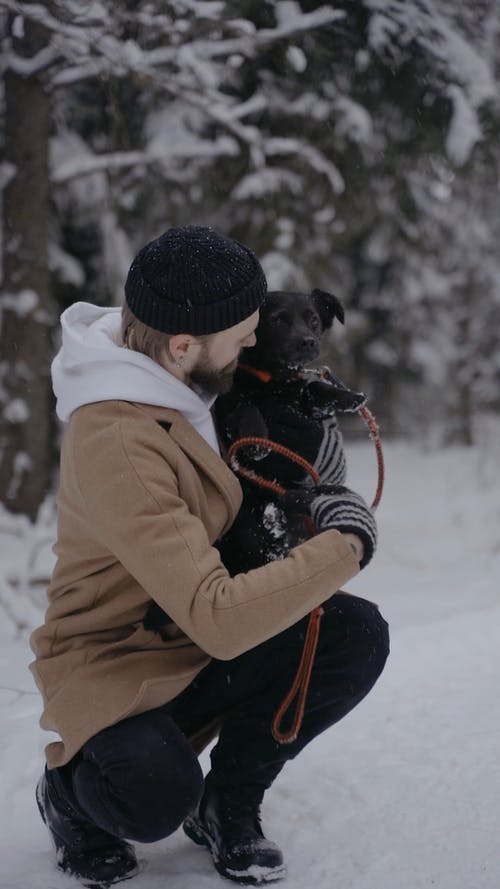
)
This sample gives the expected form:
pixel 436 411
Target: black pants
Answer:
pixel 140 778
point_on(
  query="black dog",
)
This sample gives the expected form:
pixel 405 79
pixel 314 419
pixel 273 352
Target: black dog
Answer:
pixel 275 397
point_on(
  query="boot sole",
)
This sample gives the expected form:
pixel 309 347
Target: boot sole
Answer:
pixel 88 883
pixel 254 876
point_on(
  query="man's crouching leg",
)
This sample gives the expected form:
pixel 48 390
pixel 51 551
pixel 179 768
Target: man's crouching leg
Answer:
pixel 352 649
pixel 136 780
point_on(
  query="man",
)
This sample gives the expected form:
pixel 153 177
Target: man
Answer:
pixel 149 648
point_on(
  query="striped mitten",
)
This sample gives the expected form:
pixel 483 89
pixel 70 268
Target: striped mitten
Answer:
pixel 346 511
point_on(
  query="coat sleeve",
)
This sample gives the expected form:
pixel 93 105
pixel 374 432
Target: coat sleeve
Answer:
pixel 165 547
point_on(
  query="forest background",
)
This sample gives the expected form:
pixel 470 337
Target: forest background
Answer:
pixel 353 145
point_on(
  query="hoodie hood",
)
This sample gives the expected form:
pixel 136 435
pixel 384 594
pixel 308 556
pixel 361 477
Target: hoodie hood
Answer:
pixel 92 365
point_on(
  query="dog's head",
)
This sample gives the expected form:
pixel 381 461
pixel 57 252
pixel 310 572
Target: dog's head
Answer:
pixel 290 328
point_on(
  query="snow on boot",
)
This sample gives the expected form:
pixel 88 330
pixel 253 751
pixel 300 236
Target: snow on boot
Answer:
pixel 97 858
pixel 228 823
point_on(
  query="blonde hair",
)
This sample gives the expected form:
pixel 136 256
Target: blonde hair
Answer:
pixel 141 338
pixel 138 336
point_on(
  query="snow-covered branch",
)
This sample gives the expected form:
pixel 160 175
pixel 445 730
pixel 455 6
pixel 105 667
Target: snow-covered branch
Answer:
pixel 122 160
pixel 92 48
pixel 246 45
pixel 93 68
pixel 315 159
pixel 249 44
pixel 30 67
pixel 85 23
pixel 395 23
pixel 253 105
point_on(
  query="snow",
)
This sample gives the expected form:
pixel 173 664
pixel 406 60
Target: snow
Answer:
pixel 405 790
pixel 16 411
pixel 66 266
pixel 22 463
pixel 70 157
pixel 354 120
pixel 265 182
pixel 464 129
pixel 169 140
pixel 18 27
pixel 306 152
pixel 32 66
pixel 22 303
pixel 7 173
pixel 470 70
pixel 281 270
pixel 171 134
pixel 297 58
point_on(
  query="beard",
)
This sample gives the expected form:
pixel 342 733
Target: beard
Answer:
pixel 209 378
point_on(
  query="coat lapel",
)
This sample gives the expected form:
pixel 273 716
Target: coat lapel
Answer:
pixel 200 453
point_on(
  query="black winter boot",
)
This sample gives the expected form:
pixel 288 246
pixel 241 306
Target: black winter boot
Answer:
pixel 228 823
pixel 83 850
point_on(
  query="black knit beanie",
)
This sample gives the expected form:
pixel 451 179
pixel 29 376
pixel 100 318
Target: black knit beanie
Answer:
pixel 193 280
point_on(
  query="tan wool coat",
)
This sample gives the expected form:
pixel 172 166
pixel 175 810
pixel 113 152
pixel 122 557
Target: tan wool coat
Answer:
pixel 142 499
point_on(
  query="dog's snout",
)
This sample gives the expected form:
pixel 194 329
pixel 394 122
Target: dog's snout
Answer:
pixel 308 348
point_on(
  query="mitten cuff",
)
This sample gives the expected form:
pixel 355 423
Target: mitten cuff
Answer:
pixel 347 512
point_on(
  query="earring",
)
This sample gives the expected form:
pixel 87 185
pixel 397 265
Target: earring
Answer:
pixel 178 362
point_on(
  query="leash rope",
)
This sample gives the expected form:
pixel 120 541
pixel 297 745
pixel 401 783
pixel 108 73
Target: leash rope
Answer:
pixel 375 437
pixel 271 446
pixel 300 685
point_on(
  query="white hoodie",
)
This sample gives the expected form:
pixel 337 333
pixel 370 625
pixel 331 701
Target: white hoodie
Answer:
pixel 92 366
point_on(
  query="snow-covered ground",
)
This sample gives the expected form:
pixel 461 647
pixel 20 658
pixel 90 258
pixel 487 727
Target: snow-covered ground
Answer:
pixel 405 792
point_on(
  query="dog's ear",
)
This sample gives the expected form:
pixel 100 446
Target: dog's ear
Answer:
pixel 328 307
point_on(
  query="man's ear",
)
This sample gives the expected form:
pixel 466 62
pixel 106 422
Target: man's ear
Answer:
pixel 328 307
pixel 179 344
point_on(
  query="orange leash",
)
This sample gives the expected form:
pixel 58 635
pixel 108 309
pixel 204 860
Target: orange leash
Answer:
pixel 300 685
pixel 375 437
pixel 272 446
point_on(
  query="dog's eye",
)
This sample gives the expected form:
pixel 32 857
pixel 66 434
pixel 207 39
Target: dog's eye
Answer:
pixel 280 318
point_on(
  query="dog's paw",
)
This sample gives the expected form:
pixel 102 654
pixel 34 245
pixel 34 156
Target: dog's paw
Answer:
pixel 255 452
pixel 298 500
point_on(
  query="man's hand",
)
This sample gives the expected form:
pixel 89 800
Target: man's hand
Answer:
pixel 356 544
pixel 335 506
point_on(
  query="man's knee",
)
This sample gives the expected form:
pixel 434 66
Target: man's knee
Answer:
pixel 159 803
pixel 148 799
pixel 359 624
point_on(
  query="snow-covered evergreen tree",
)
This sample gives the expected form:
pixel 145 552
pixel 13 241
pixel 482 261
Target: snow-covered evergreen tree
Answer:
pixel 345 142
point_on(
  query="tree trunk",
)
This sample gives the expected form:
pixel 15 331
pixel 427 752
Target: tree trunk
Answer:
pixel 25 311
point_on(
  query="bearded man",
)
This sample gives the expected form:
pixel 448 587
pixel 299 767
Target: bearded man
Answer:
pixel 150 649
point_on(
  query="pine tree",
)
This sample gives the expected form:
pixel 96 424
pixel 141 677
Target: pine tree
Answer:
pixel 345 143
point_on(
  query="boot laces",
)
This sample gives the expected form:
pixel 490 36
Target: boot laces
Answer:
pixel 241 816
